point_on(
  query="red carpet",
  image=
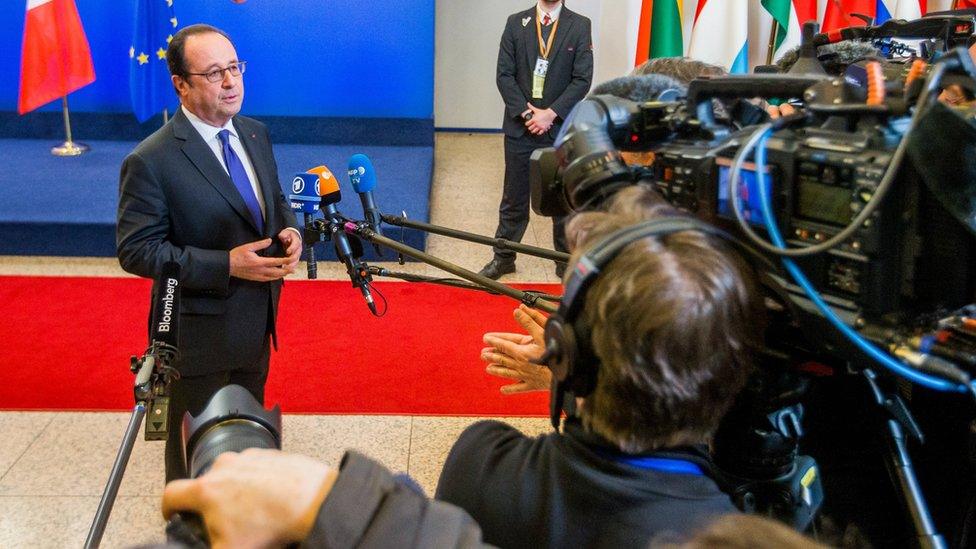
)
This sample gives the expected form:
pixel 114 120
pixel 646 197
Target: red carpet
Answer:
pixel 65 345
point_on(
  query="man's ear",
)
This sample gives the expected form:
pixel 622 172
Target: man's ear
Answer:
pixel 179 84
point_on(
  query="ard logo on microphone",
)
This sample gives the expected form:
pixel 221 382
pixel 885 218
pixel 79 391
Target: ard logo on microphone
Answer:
pixel 298 186
pixel 168 298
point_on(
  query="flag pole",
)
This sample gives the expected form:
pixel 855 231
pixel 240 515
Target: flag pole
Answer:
pixel 69 147
pixel 772 42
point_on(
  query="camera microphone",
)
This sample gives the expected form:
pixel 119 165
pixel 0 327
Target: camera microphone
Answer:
pixel 363 178
pixel 358 273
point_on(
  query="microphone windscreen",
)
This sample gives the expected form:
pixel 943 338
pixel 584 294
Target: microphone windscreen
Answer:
pixel 641 88
pixel 361 173
pixel 328 185
pixel 166 310
pixel 305 195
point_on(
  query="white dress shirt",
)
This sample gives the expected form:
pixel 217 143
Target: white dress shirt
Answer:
pixel 553 15
pixel 209 135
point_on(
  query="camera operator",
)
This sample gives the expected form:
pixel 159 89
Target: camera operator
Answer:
pixel 674 323
pixel 267 498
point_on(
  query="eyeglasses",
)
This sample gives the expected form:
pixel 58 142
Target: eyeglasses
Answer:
pixel 216 75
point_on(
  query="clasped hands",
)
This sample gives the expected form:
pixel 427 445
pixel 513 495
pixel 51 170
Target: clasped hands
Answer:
pixel 245 262
pixel 541 119
pixel 513 356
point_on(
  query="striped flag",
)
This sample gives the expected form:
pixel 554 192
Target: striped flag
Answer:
pixel 56 59
pixel 721 34
pixel 790 15
pixel 659 34
pixel 150 86
pixel 899 9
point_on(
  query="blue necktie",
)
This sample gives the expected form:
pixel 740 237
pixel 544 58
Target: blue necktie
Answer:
pixel 239 176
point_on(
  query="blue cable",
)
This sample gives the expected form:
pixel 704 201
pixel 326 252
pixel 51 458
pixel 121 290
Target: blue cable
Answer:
pixel 870 349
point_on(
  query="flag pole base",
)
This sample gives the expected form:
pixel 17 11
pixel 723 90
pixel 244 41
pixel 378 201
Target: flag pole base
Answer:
pixel 70 148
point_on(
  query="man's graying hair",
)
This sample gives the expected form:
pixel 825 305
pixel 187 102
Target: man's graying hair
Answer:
pixel 175 54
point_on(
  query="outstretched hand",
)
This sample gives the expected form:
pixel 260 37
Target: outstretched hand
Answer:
pixel 513 356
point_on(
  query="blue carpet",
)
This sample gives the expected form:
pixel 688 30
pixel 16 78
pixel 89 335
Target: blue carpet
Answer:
pixel 67 206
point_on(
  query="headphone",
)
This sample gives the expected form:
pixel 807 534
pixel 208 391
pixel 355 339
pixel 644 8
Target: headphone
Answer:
pixel 569 352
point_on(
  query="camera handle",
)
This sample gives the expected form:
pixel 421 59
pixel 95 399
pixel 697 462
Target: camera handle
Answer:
pixel 899 420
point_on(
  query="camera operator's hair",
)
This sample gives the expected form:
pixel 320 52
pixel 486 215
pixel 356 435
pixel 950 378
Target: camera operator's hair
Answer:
pixel 674 322
pixel 682 69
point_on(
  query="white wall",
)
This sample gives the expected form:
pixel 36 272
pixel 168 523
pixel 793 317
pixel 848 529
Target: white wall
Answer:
pixel 466 52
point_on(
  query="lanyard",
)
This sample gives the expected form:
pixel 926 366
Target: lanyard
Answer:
pixel 544 48
pixel 664 465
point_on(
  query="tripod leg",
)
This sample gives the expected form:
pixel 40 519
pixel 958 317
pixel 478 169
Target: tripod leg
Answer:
pixel 904 473
pixel 115 479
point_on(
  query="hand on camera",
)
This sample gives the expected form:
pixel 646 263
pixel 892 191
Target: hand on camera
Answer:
pixel 541 120
pixel 258 498
pixel 512 356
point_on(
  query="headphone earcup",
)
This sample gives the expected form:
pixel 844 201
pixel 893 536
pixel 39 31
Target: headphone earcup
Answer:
pixel 560 348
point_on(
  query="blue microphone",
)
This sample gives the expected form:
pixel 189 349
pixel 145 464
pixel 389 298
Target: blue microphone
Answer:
pixel 363 178
pixel 305 199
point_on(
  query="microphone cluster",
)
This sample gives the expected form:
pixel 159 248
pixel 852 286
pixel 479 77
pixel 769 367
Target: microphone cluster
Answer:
pixel 317 190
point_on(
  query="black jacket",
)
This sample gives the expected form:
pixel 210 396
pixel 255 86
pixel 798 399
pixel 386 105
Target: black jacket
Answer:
pixel 368 507
pixel 570 490
pixel 176 203
pixel 570 67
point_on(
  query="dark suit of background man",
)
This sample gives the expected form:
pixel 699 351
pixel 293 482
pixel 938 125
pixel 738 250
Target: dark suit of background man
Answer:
pixel 203 190
pixel 545 67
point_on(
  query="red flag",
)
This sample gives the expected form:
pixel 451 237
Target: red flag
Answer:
pixel 838 14
pixel 963 4
pixel 56 59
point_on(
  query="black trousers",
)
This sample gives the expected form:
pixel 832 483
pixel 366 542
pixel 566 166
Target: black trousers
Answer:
pixel 513 212
pixel 192 393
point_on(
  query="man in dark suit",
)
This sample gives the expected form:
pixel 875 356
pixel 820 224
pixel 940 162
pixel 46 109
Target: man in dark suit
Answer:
pixel 203 191
pixel 545 67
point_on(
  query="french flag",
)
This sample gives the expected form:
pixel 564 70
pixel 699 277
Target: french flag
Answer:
pixel 721 34
pixel 899 9
pixel 56 59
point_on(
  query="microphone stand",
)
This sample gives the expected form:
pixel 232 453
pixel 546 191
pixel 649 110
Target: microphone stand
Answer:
pixel 499 243
pixel 362 230
pixel 453 282
pixel 152 382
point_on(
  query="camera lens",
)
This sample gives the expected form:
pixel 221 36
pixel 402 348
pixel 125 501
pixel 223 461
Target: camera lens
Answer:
pixel 234 435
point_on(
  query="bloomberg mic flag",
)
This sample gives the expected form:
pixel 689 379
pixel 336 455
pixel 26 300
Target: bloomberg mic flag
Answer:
pixel 55 59
pixel 149 82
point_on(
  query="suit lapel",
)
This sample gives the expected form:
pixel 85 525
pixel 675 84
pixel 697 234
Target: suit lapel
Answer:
pixel 566 21
pixel 530 41
pixel 200 154
pixel 262 169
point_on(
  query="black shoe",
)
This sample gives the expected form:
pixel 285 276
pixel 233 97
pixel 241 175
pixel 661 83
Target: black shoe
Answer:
pixel 497 267
pixel 560 270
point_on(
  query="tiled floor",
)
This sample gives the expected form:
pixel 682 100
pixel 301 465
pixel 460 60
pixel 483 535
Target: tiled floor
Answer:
pixel 53 465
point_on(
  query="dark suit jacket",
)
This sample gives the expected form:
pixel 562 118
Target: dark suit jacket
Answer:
pixel 176 203
pixel 570 67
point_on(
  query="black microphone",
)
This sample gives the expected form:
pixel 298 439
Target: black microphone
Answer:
pixel 363 178
pixel 358 273
pixel 154 370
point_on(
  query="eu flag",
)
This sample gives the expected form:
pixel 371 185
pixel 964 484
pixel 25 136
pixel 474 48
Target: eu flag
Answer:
pixel 149 82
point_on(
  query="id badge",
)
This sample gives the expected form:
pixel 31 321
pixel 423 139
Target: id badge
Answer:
pixel 539 77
